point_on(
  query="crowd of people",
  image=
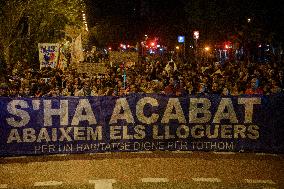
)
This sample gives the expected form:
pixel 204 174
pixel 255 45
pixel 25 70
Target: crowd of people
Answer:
pixel 150 75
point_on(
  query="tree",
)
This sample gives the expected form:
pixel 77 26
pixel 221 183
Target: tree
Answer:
pixel 25 23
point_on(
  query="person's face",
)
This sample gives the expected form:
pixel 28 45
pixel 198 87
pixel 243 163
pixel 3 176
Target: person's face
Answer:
pixel 13 91
pixel 254 83
pixel 27 91
pixel 119 84
pixel 57 90
pixel 235 88
pixel 133 88
pixel 225 91
pixel 281 74
pixel 171 81
pixel 204 79
pixel 42 81
pixel 21 91
pixel 54 92
pixel 215 86
pixel 271 72
pixel 2 92
pixel 86 86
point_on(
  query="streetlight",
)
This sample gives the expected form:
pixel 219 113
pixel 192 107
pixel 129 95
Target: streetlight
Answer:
pixel 196 37
pixel 177 47
pixel 207 48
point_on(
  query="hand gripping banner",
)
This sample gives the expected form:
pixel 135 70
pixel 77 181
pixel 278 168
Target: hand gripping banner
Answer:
pixel 141 122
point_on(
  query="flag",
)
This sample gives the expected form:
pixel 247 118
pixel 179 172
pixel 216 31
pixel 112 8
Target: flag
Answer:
pixel 62 59
pixel 77 52
pixel 48 54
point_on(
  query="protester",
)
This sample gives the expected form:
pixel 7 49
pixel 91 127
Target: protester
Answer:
pixel 254 87
pixel 153 75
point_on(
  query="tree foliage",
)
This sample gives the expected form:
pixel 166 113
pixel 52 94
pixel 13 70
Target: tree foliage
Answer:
pixel 25 23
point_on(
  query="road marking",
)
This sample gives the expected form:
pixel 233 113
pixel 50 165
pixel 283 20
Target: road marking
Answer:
pixel 3 185
pixel 103 183
pixel 17 157
pixel 59 155
pixel 264 154
pixel 105 153
pixel 225 153
pixel 155 180
pixel 181 152
pixel 48 183
pixel 200 179
pixel 255 181
pixel 142 152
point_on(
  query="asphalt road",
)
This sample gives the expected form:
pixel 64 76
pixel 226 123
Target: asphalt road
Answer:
pixel 157 170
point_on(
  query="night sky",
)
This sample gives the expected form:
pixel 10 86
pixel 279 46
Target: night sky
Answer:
pixel 167 18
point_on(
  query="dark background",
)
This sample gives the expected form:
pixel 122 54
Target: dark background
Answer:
pixel 166 19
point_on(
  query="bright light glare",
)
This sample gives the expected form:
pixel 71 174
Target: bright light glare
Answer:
pixel 207 48
pixel 177 47
pixel 196 34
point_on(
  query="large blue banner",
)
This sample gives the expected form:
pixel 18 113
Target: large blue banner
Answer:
pixel 141 122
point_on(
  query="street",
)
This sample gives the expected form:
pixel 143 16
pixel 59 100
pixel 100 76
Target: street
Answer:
pixel 144 170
